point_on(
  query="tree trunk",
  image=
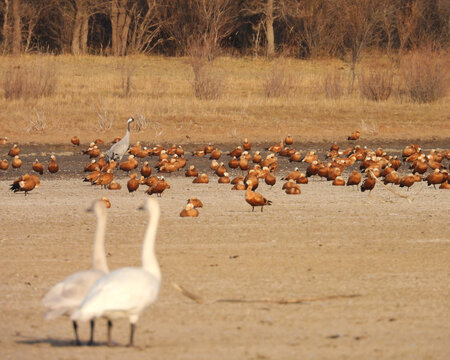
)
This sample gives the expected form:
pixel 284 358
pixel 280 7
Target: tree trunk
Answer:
pixel 84 35
pixel 269 29
pixel 76 33
pixel 6 32
pixel 17 28
pixel 120 23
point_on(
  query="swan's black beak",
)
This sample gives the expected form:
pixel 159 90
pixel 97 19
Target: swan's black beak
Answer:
pixel 91 209
pixel 141 207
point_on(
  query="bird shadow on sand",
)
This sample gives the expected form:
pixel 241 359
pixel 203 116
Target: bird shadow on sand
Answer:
pixel 27 340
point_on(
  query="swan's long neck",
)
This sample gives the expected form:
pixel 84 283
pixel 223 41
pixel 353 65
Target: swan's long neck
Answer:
pixel 149 261
pixel 99 262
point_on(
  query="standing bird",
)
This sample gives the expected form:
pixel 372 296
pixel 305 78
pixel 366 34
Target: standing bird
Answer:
pixel 65 297
pixel 354 179
pixel 53 167
pixel 126 292
pixel 4 164
pixel 255 199
pixel 369 183
pixel 118 150
pixel 132 184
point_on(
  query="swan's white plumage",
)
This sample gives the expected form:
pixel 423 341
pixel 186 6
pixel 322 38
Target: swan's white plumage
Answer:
pixel 67 295
pixel 125 292
pixel 128 291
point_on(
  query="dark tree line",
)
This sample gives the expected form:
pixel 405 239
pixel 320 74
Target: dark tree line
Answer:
pixel 302 28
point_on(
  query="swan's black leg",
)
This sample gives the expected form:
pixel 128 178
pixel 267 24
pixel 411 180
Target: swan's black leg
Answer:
pixel 109 332
pixel 91 340
pixel 75 329
pixel 132 329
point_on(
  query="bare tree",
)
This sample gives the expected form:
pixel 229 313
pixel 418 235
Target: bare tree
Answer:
pixel 145 28
pixel 266 10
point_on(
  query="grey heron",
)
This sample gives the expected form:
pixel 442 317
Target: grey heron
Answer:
pixel 118 150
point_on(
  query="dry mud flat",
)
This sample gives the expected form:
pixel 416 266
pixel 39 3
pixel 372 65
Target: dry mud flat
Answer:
pixel 327 241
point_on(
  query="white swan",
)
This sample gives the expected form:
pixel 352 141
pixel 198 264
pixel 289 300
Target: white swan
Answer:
pixel 126 292
pixel 67 295
pixel 118 150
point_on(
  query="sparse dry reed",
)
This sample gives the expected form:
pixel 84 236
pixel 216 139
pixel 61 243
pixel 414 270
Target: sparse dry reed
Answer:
pixel 279 82
pixel 333 85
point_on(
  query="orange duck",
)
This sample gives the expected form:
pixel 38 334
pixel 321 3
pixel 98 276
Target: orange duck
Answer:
pixel 354 135
pixel 25 183
pixel 239 185
pixel 392 178
pixel 338 181
pixel 233 163
pixel 191 172
pixel 257 157
pixel 236 152
pixel 38 167
pixel 224 179
pixel 369 182
pixel 132 184
pixel 436 178
pixel 158 188
pixel 114 186
pixel 201 179
pixel 146 170
pixel 4 164
pixel 14 151
pixel 255 199
pixel 195 202
pixel 16 162
pixel 104 179
pixel 189 211
pixel 75 140
pixel 92 166
pixel 288 140
pixel 247 146
pixel 215 154
pixel 302 179
pixel 53 167
pixel 407 181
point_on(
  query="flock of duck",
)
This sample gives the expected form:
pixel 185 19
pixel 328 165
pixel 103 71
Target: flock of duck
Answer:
pixel 127 292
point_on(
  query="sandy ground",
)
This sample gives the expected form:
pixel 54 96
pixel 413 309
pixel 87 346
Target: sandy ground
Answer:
pixel 326 241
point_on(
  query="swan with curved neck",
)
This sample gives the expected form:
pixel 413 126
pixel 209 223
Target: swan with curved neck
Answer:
pixel 128 291
pixel 65 297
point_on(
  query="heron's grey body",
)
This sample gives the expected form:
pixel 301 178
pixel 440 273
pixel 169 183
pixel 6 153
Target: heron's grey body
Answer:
pixel 118 150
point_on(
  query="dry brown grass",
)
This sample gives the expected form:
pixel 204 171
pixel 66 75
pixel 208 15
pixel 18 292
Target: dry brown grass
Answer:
pixel 88 85
pixel 425 75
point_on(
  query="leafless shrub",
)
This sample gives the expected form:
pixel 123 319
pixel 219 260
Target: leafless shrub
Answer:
pixel 127 69
pixel 278 82
pixel 333 85
pixel 37 124
pixel 33 80
pixel 105 117
pixel 425 76
pixel 376 85
pixel 140 122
